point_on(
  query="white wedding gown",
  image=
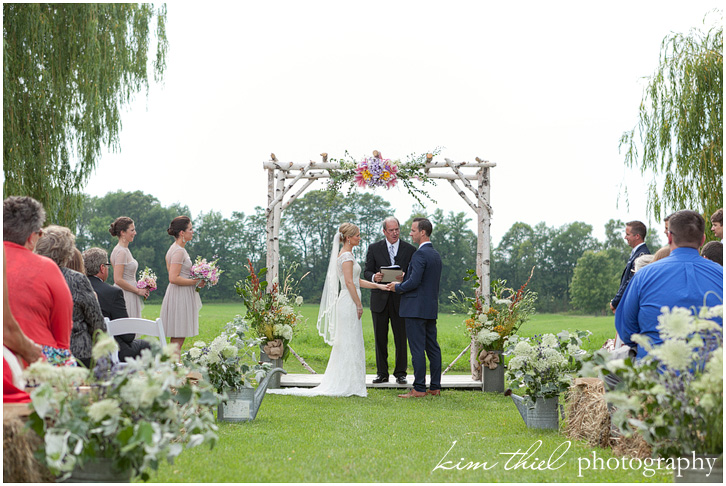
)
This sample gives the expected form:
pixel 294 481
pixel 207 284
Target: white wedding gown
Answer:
pixel 346 371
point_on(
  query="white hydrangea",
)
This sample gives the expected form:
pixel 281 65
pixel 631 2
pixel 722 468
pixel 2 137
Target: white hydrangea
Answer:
pixel 287 310
pixel 482 318
pixel 104 346
pixel 149 394
pixel 502 301
pixel 516 363
pixel 108 407
pixel 677 323
pixel 299 300
pixel 286 332
pixel 200 344
pixel 523 348
pixel 674 353
pixel 282 299
pixel 487 337
pixel 712 377
pixel 195 353
pixel 131 393
pixel 229 352
pixel 550 341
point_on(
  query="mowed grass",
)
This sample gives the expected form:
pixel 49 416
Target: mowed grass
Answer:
pixel 451 335
pixel 462 436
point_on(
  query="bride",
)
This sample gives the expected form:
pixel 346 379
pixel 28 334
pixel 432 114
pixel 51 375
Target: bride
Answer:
pixel 339 322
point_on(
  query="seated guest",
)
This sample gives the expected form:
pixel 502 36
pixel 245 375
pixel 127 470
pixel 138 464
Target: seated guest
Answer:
pixel 76 262
pixel 662 253
pixel 37 292
pixel 112 300
pixel 684 279
pixel 713 250
pixel 58 244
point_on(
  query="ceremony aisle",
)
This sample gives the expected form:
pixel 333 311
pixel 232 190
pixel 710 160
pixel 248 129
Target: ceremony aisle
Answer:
pixel 462 436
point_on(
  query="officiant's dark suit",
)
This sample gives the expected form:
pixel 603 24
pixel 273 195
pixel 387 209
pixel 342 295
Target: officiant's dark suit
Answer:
pixel 111 300
pixel 420 307
pixel 384 305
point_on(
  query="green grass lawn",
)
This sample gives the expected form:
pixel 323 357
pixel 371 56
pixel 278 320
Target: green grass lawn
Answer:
pixel 382 438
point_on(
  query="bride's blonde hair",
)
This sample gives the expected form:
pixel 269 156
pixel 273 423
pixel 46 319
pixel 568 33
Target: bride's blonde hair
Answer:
pixel 347 230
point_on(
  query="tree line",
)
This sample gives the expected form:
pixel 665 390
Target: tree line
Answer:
pixel 573 270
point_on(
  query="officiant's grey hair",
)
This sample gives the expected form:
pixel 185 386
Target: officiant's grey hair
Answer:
pixel 390 218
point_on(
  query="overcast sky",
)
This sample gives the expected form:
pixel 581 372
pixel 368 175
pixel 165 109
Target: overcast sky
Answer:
pixel 542 89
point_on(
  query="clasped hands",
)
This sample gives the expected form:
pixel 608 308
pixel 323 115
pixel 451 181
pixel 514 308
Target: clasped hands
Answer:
pixel 390 287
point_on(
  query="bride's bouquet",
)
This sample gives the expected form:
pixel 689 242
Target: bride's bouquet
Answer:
pixel 206 271
pixel 147 280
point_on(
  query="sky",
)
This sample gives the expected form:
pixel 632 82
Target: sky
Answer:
pixel 542 89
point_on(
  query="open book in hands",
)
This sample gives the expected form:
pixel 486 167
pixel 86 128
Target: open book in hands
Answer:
pixel 391 273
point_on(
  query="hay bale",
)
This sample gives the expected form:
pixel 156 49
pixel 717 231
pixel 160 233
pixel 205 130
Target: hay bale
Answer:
pixel 634 446
pixel 19 446
pixel 588 418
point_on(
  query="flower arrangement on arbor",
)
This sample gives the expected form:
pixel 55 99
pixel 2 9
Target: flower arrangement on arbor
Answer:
pixel 271 314
pixel 376 172
pixel 410 173
pixel 491 324
pixel 544 364
pixel 134 417
pixel 228 362
pixel 673 396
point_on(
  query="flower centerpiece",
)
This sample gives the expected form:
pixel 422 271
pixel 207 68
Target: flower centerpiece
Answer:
pixel 376 172
pixel 130 419
pixel 673 396
pixel 490 325
pixel 271 311
pixel 543 364
pixel 228 362
pixel 147 280
pixel 208 272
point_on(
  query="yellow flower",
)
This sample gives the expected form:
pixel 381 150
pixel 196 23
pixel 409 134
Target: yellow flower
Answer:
pixel 367 175
pixel 386 175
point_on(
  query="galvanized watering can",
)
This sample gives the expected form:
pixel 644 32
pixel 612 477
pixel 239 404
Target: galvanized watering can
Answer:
pixel 540 414
pixel 243 405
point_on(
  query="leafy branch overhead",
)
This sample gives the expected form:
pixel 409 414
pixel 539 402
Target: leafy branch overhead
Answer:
pixel 680 128
pixel 67 71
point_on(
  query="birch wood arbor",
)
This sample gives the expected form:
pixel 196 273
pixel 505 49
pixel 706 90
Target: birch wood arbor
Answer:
pixel 473 187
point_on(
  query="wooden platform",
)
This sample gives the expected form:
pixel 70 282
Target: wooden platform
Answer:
pixel 447 381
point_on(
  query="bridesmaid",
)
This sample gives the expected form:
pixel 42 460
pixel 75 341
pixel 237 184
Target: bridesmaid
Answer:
pixel 125 267
pixel 180 308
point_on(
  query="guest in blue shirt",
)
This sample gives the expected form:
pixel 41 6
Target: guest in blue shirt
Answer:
pixel 684 279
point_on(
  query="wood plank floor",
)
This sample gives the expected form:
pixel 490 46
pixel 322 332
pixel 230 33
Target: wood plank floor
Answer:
pixel 447 381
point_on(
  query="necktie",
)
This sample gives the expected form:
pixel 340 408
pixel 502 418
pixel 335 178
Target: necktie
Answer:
pixel 392 253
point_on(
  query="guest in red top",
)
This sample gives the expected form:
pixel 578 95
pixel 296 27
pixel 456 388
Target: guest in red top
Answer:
pixel 38 294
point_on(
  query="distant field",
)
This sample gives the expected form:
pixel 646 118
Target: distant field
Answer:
pixel 451 335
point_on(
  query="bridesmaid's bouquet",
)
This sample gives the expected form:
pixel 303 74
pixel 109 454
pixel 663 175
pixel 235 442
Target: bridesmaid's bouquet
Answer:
pixel 147 280
pixel 206 271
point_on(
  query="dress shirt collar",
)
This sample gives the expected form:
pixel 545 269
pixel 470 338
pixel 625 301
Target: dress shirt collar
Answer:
pixel 636 248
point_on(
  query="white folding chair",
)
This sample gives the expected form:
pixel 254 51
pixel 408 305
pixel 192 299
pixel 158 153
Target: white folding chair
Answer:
pixel 134 325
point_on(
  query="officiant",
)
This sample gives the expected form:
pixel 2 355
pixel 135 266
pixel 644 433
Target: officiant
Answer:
pixel 390 251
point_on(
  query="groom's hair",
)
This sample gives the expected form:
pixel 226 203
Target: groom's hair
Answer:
pixel 424 225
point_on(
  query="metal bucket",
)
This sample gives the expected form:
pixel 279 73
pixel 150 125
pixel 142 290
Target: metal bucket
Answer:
pixel 238 407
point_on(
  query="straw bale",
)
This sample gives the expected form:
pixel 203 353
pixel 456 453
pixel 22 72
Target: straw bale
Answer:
pixel 19 445
pixel 587 413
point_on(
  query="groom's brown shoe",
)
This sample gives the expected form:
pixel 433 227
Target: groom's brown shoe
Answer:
pixel 413 394
pixel 435 393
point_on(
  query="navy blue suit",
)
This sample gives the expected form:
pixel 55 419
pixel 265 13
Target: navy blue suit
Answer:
pixel 628 273
pixel 420 307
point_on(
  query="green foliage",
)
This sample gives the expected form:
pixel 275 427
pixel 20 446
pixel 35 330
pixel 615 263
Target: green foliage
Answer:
pixel 595 280
pixel 68 69
pixel 680 127
pixel 674 395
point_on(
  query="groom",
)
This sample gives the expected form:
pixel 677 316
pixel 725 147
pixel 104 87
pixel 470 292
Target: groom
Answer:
pixel 384 305
pixel 420 307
